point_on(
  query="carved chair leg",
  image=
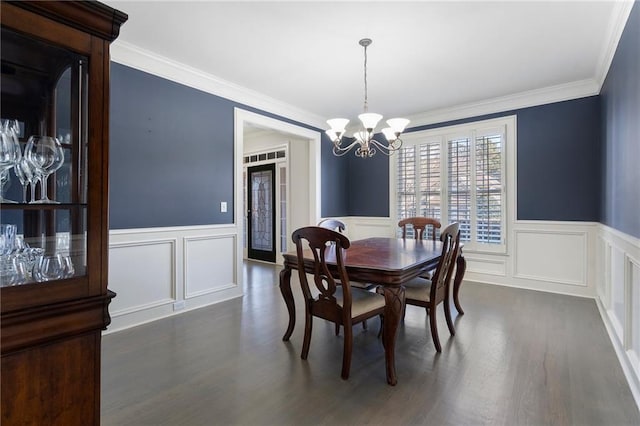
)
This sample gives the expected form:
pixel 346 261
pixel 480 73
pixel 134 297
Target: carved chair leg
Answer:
pixel 434 328
pixel 337 329
pixel 461 267
pixel 348 347
pixel 364 325
pixel 308 325
pixel 381 328
pixel 447 315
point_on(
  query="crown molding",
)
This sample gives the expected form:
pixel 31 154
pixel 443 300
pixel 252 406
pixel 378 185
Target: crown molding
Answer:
pixel 132 56
pixel 619 17
pixel 546 95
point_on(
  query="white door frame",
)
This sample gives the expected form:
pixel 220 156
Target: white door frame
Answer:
pixel 243 117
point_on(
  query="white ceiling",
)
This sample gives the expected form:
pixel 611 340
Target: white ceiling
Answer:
pixel 425 55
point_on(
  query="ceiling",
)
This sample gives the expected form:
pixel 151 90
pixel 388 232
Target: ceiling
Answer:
pixel 425 56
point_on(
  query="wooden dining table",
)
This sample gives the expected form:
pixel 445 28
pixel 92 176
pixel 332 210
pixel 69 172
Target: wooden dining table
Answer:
pixel 388 262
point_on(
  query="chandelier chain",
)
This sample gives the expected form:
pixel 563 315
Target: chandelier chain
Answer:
pixel 366 100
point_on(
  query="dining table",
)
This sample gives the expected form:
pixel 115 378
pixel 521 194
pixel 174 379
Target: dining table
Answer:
pixel 386 262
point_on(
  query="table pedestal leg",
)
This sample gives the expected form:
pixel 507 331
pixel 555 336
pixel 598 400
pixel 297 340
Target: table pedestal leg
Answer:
pixel 461 267
pixel 394 299
pixel 287 295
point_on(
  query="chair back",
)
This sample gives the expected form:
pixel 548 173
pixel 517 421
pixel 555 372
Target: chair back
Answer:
pixel 326 278
pixel 333 224
pixel 419 225
pixel 442 276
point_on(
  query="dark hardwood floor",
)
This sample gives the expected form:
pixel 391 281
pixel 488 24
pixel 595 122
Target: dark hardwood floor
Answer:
pixel 519 358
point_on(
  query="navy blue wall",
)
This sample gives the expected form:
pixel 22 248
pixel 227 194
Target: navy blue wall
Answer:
pixel 558 163
pixel 171 155
pixel 368 181
pixel 335 183
pixel 621 133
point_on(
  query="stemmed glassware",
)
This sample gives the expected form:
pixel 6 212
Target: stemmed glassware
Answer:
pixel 46 156
pixel 24 171
pixel 10 152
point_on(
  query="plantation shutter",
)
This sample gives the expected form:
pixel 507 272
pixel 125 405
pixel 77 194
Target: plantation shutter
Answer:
pixel 459 184
pixel 406 190
pixel 430 183
pixel 489 184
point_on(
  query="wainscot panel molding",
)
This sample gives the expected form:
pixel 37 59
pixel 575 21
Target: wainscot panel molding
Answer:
pixel 560 256
pixel 158 272
pixel 552 256
pixel 618 298
pixel 359 227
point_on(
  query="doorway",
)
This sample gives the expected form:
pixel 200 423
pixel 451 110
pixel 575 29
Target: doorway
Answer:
pixel 261 217
pixel 297 178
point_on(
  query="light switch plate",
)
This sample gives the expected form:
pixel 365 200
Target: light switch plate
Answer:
pixel 223 207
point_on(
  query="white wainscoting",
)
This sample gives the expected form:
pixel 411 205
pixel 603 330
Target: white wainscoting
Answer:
pixel 158 272
pixel 556 257
pixel 618 298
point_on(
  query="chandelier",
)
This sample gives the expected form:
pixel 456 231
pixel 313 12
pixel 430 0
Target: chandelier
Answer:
pixel 364 142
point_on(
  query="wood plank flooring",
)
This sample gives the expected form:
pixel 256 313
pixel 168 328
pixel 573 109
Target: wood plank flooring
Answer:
pixel 519 358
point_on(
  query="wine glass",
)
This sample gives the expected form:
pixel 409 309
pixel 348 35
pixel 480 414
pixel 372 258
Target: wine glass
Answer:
pixel 46 156
pixel 10 152
pixel 24 172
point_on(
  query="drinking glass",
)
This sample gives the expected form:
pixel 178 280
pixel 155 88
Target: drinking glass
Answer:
pixel 10 152
pixel 7 238
pixel 24 171
pixel 20 273
pixel 48 268
pixel 67 267
pixel 46 156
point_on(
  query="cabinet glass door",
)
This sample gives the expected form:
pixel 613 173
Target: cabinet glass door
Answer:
pixel 43 161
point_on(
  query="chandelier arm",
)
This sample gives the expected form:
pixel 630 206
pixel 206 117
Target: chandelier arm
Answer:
pixel 340 151
pixel 386 149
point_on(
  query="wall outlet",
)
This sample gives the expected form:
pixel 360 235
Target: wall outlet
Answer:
pixel 178 305
pixel 223 207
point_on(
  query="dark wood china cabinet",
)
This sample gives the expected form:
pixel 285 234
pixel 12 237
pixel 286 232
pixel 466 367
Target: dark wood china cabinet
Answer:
pixel 53 261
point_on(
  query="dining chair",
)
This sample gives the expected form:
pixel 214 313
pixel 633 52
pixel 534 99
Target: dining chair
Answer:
pixel 429 293
pixel 333 224
pixel 419 225
pixel 336 301
pixel 339 226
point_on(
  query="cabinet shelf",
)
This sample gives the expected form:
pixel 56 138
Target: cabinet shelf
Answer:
pixel 61 206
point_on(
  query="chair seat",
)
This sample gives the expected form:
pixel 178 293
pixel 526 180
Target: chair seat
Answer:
pixel 418 289
pixel 361 301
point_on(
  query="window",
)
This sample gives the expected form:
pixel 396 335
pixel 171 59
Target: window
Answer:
pixel 457 174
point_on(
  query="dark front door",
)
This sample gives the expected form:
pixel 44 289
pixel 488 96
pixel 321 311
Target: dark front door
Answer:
pixel 261 205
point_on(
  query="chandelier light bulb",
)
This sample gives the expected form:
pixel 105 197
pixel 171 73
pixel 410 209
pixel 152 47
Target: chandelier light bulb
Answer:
pixel 398 124
pixel 389 134
pixel 370 120
pixel 338 125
